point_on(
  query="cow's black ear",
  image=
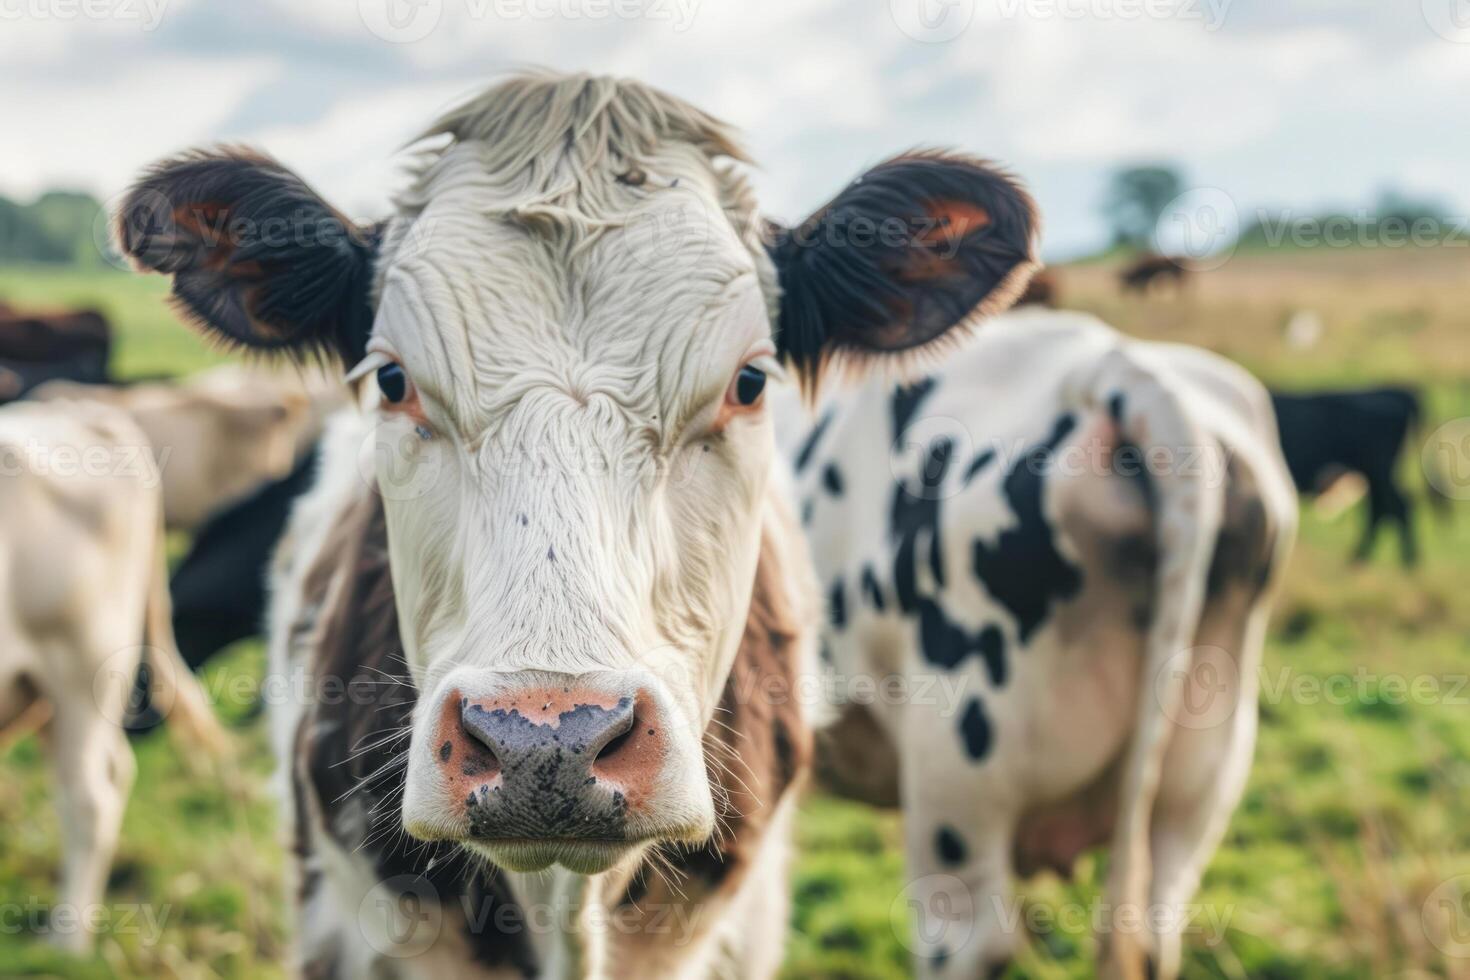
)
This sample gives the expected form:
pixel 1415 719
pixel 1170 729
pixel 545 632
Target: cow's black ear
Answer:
pixel 257 257
pixel 916 249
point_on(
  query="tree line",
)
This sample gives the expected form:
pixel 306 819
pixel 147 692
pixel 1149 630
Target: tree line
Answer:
pixel 58 228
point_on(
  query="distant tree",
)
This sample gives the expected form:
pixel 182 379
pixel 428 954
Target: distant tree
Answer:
pixel 68 219
pixel 23 240
pixel 1136 199
pixel 1393 203
pixel 56 228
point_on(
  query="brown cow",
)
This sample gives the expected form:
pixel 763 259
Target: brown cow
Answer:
pixel 1044 289
pixel 1140 276
pixel 40 347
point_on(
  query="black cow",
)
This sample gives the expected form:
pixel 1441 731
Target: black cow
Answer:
pixel 40 347
pixel 219 589
pixel 1328 433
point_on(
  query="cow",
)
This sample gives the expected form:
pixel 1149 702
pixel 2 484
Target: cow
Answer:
pixel 1140 275
pixel 1328 434
pixel 82 567
pixel 218 589
pixel 1064 565
pixel 40 347
pixel 1044 289
pixel 218 435
pixel 551 564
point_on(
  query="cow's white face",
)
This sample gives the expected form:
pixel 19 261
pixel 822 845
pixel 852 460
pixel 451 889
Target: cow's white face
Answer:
pixel 572 474
pixel 569 323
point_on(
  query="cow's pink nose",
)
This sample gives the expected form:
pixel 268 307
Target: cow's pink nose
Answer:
pixel 550 760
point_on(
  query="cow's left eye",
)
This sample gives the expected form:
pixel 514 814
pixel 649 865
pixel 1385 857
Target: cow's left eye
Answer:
pixel 393 382
pixel 749 384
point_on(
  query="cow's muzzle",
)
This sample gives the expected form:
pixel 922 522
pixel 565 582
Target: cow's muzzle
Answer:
pixel 534 768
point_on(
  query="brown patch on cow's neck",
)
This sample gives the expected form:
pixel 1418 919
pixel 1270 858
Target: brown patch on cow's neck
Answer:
pixel 357 731
pixel 758 748
pixel 757 751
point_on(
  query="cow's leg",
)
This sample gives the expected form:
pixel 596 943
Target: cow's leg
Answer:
pixel 958 839
pixel 1374 517
pixel 1398 507
pixel 22 711
pixel 94 772
pixel 1204 774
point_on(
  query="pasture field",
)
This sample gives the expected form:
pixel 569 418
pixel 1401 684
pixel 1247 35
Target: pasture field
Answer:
pixel 1358 808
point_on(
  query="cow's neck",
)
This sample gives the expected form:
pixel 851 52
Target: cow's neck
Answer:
pixel 755 753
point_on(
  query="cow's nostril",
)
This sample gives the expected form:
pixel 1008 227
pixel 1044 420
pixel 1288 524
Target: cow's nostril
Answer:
pixel 483 747
pixel 617 731
pixel 618 741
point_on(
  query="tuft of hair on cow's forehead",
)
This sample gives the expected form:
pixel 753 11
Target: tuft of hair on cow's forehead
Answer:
pixel 559 152
pixel 577 210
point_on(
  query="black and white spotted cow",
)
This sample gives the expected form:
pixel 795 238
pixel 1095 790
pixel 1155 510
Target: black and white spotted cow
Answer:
pixel 1068 555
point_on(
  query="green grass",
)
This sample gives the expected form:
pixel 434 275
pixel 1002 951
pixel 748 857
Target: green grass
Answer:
pixel 1357 809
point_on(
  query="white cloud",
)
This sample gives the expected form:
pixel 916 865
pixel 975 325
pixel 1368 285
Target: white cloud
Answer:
pixel 1286 102
pixel 351 154
pixel 97 136
pixel 38 32
pixel 1106 91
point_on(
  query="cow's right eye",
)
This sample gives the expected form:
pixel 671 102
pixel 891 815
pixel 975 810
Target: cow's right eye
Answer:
pixel 393 382
pixel 749 384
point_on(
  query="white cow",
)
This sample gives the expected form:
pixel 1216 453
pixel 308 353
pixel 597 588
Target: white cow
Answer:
pixel 547 579
pixel 220 434
pixel 83 576
pixel 1067 557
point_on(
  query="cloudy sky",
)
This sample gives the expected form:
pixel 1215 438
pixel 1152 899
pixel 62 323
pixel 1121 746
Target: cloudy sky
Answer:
pixel 1300 103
